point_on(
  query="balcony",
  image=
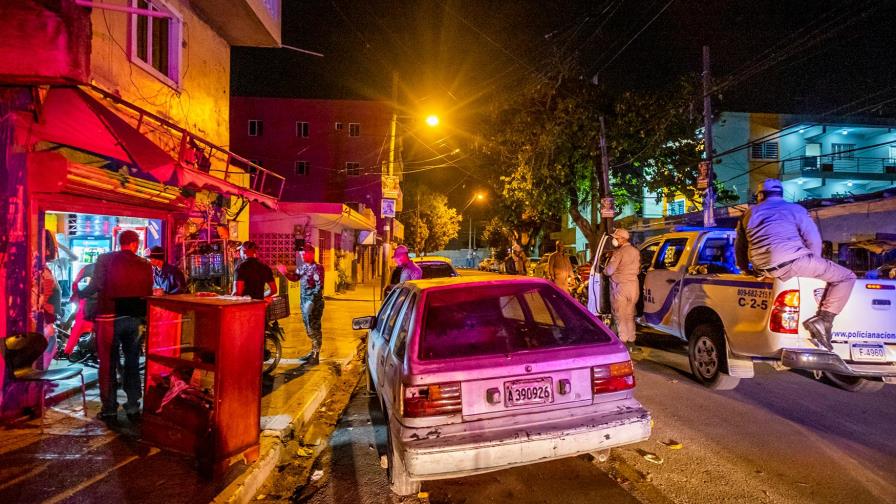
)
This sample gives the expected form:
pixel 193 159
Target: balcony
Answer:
pixel 253 23
pixel 839 167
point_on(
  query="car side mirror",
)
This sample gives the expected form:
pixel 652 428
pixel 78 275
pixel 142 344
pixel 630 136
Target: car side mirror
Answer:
pixel 363 322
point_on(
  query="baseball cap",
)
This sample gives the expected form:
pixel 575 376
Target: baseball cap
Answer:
pixel 621 234
pixel 400 250
pixel 157 252
pixel 771 185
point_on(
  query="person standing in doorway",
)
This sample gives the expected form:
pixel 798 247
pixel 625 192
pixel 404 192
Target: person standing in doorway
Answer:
pixel 166 279
pixel 781 241
pixel 122 280
pixel 559 268
pixel 623 269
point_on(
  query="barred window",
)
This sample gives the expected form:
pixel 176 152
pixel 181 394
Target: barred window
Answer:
pixel 353 169
pixel 764 150
pixel 302 167
pixel 302 129
pixel 354 129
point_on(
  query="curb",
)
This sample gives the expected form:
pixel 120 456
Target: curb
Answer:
pixel 243 489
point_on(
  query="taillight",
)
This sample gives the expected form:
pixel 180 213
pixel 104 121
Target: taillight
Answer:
pixel 786 313
pixel 430 400
pixel 612 377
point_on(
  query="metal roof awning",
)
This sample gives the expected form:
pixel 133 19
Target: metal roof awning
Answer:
pixel 326 216
pixel 71 117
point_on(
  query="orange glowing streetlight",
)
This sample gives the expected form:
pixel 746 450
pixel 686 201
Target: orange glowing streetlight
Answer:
pixel 432 120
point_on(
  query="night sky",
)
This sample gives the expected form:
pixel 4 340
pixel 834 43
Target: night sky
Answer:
pixel 805 56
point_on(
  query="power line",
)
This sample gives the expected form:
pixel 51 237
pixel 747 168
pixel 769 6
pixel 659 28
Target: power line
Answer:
pixel 636 36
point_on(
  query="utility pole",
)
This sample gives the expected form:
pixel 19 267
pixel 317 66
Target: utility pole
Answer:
pixel 707 174
pixel 606 217
pixel 393 132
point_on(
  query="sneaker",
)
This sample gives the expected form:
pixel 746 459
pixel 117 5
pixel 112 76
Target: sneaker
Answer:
pixel 107 417
pixel 314 359
pixel 820 329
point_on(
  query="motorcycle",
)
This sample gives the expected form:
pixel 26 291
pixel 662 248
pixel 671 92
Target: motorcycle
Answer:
pixel 273 348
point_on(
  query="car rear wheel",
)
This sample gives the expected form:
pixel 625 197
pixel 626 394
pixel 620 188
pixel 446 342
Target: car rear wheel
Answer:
pixel 400 481
pixel 853 383
pixel 708 357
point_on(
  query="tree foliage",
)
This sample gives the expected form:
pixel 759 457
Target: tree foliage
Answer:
pixel 541 145
pixel 432 224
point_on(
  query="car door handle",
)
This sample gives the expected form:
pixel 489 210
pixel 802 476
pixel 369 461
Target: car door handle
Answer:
pixel 671 281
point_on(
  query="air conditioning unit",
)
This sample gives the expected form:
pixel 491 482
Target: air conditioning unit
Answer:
pixel 890 170
pixel 827 167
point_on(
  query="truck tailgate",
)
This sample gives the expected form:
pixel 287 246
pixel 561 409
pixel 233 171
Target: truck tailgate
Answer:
pixel 866 329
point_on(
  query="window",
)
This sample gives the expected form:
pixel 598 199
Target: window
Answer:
pixel 156 41
pixel 382 317
pixel 302 129
pixel 670 253
pixel 764 150
pixel 647 253
pixel 502 320
pixel 392 315
pixel 302 167
pixel 256 127
pixel 676 207
pixel 717 254
pixel 354 129
pixel 339 126
pixel 842 151
pixel 401 340
pixel 353 169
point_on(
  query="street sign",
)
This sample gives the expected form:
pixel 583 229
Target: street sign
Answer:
pixel 607 208
pixel 387 208
pixel 391 187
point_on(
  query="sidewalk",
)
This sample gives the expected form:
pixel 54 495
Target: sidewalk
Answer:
pixel 65 457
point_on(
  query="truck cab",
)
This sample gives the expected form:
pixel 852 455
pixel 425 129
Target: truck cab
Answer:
pixel 692 289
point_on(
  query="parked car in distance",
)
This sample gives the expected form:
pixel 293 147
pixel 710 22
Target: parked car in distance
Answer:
pixel 477 374
pixel 435 266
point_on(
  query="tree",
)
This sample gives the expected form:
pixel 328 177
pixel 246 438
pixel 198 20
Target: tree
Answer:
pixel 432 224
pixel 543 142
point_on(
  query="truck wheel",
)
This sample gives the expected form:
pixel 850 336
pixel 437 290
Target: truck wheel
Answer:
pixel 853 383
pixel 708 357
pixel 400 481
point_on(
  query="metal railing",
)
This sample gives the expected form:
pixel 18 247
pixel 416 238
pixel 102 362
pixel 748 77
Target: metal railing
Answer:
pixel 199 154
pixel 838 164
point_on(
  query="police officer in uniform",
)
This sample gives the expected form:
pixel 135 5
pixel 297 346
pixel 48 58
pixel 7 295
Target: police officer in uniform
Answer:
pixel 310 275
pixel 623 269
pixel 782 241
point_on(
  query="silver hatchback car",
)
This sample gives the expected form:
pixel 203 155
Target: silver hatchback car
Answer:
pixel 476 374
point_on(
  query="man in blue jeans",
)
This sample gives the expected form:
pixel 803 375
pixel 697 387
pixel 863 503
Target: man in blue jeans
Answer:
pixel 122 280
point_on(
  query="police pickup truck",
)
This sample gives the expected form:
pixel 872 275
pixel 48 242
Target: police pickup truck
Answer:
pixel 693 290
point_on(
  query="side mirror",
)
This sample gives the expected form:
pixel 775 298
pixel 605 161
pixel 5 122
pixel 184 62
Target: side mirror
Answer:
pixel 363 322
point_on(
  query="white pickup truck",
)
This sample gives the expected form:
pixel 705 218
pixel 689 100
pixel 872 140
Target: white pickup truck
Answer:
pixel 694 291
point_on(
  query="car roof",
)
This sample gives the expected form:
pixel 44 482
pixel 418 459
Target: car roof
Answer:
pixel 431 259
pixel 472 280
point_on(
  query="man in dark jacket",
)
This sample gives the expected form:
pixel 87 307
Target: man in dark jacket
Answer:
pixel 166 279
pixel 251 275
pixel 122 280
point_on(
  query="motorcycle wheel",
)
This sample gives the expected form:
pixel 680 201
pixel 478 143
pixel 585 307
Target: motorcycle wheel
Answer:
pixel 272 353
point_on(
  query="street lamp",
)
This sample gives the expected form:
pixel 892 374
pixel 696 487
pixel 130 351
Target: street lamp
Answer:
pixel 476 197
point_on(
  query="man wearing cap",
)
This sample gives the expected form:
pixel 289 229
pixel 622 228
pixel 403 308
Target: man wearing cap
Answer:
pixel 251 275
pixel 559 268
pixel 409 269
pixel 781 241
pixel 310 275
pixel 166 279
pixel 622 269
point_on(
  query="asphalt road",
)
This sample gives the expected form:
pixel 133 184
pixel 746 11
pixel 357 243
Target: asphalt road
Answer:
pixel 781 437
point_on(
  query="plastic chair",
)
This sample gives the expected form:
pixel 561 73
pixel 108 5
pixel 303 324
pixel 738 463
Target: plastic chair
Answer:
pixel 21 351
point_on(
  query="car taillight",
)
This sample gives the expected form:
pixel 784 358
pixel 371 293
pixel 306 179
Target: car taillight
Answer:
pixel 786 313
pixel 430 400
pixel 612 377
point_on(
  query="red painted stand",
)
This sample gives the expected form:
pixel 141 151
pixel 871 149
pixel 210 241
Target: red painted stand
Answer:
pixel 203 378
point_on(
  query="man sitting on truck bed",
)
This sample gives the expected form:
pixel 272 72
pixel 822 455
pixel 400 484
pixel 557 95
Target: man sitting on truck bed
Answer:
pixel 781 241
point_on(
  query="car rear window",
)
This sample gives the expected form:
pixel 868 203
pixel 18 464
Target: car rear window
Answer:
pixel 436 270
pixel 469 321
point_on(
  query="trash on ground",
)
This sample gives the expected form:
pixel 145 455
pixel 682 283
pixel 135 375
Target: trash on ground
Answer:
pixel 672 444
pixel 304 451
pixel 652 457
pixel 316 475
pixel 384 462
pixel 423 495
